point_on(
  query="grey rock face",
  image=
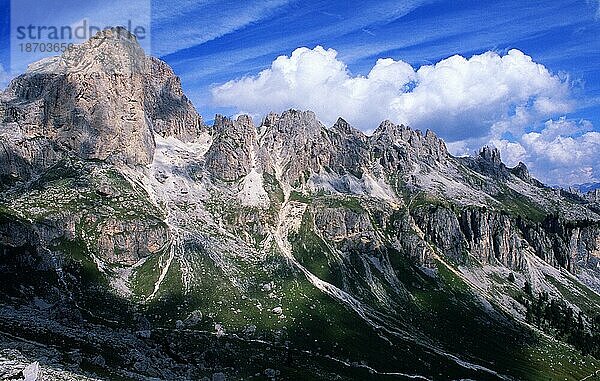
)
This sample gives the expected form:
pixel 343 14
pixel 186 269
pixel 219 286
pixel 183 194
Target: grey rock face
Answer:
pixel 339 223
pixel 490 155
pixel 488 163
pixel 19 158
pixel 398 147
pixel 522 172
pixel 564 244
pixel 350 149
pixel 234 142
pixel 491 238
pixel 495 238
pixel 90 101
pixel 171 112
pixel 296 142
pixel 115 241
pixel 126 242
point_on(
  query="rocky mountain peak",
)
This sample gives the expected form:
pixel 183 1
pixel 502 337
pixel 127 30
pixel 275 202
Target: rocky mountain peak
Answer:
pixel 490 155
pixel 386 128
pixel 349 149
pixel 437 147
pixel 299 123
pixel 245 121
pixel 221 122
pixel 344 129
pixel 170 111
pixel 398 134
pixel 489 163
pixel 110 51
pixel 296 141
pixel 270 119
pixel 410 145
pixel 342 126
pixel 285 134
pixel 116 32
pixel 231 154
pixel 225 127
pixel 521 171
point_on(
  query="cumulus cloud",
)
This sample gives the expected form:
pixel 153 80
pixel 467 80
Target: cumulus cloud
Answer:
pixel 563 152
pixel 457 97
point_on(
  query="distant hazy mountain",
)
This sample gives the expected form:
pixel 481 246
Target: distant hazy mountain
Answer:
pixel 140 243
pixel 587 187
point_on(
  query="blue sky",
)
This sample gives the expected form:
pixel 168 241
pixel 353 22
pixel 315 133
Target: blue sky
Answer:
pixel 209 43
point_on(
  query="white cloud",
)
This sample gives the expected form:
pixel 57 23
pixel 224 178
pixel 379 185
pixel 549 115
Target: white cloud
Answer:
pixel 174 31
pixel 460 98
pixel 512 152
pixel 564 152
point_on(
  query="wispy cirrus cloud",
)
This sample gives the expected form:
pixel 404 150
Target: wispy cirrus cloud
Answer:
pixel 595 3
pixel 309 22
pixel 194 23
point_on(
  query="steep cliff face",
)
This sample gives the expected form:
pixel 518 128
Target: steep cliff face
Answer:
pixel 87 103
pixel 167 107
pixel 350 149
pixel 474 235
pixel 398 147
pixel 572 245
pixel 297 143
pixel 233 151
pixel 192 252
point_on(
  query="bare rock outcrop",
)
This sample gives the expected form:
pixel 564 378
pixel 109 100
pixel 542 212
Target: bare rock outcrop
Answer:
pixel 398 147
pixel 232 153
